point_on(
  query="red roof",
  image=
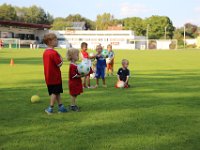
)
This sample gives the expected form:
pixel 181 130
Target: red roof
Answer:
pixel 23 24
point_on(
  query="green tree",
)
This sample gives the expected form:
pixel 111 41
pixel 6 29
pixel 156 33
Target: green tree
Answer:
pixel 78 18
pixel 136 24
pixel 105 20
pixel 158 25
pixel 60 24
pixel 7 12
pixel 191 30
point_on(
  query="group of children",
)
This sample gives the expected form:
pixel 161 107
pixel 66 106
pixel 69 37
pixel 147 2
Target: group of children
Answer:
pixel 52 61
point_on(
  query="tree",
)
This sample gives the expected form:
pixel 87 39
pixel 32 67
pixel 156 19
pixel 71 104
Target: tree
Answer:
pixel 7 12
pixel 158 25
pixel 136 24
pixel 104 20
pixel 60 24
pixel 33 14
pixel 90 25
pixel 191 30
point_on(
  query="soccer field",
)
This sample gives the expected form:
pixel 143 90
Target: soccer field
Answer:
pixel 161 110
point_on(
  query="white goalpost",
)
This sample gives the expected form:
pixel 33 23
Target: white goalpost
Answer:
pixel 11 42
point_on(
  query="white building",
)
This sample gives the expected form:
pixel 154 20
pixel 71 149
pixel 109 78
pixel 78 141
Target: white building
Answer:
pixel 120 39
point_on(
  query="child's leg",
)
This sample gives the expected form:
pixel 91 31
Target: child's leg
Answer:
pixel 97 82
pixel 73 100
pixel 53 99
pixel 84 81
pixel 58 98
pixel 73 106
pixel 88 80
pixel 104 81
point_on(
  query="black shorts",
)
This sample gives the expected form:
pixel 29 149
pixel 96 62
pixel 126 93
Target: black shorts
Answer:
pixel 55 89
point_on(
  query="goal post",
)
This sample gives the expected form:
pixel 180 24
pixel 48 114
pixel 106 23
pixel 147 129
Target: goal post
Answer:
pixel 11 42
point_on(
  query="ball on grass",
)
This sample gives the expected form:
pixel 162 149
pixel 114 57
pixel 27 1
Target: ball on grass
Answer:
pixel 120 84
pixel 35 99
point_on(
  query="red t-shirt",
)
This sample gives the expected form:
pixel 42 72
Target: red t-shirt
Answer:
pixel 75 84
pixel 84 54
pixel 52 62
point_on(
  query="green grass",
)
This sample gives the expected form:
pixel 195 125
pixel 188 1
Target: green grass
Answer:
pixel 160 112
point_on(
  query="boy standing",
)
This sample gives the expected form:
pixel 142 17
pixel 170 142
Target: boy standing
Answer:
pixel 100 67
pixel 110 64
pixel 52 62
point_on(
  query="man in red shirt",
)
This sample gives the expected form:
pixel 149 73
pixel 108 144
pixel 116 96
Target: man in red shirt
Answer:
pixel 52 62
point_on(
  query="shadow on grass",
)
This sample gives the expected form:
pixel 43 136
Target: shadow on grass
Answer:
pixel 160 111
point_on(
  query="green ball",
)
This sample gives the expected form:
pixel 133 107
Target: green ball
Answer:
pixel 35 99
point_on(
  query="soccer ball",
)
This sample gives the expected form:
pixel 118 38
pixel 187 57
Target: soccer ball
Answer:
pixel 108 60
pixel 104 53
pixel 120 84
pixel 35 99
pixel 83 68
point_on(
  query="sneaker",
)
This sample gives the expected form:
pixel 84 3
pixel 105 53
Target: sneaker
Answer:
pixel 105 86
pixel 74 108
pixel 49 110
pixel 62 109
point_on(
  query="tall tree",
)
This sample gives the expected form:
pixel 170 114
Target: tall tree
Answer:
pixel 191 30
pixel 158 25
pixel 7 12
pixel 60 24
pixel 136 24
pixel 90 25
pixel 104 20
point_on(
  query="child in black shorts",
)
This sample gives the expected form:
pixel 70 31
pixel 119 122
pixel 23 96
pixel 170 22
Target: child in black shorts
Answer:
pixel 123 73
pixel 52 62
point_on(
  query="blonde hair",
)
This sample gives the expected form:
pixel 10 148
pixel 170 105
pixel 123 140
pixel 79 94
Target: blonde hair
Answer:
pixel 49 37
pixel 71 53
pixel 99 46
pixel 109 45
pixel 125 61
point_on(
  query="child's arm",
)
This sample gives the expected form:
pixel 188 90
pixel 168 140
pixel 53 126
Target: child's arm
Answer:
pixel 118 78
pixel 58 59
pixel 127 78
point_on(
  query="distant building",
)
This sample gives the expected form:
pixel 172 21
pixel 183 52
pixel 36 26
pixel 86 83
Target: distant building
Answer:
pixel 27 33
pixel 120 39
pixel 77 26
pixel 117 27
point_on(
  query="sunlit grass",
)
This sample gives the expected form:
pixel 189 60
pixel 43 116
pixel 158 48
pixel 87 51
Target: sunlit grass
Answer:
pixel 161 110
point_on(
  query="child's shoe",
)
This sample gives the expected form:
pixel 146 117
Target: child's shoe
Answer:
pixel 74 108
pixel 49 110
pixel 105 86
pixel 62 109
pixel 96 86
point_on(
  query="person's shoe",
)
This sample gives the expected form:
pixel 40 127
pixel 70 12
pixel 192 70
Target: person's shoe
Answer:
pixel 49 110
pixel 105 86
pixel 96 86
pixel 62 109
pixel 74 108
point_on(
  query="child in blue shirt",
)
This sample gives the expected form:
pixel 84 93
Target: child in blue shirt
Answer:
pixel 100 67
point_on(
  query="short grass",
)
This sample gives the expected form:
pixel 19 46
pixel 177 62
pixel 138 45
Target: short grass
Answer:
pixel 161 110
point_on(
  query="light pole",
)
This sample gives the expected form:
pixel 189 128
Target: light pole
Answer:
pixel 147 36
pixel 184 36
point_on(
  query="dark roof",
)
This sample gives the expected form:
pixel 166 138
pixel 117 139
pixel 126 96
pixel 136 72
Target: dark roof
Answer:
pixel 23 24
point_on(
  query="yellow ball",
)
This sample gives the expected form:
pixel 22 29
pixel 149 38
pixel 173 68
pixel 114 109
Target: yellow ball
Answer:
pixel 35 99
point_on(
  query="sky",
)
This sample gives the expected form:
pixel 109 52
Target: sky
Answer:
pixel 179 11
